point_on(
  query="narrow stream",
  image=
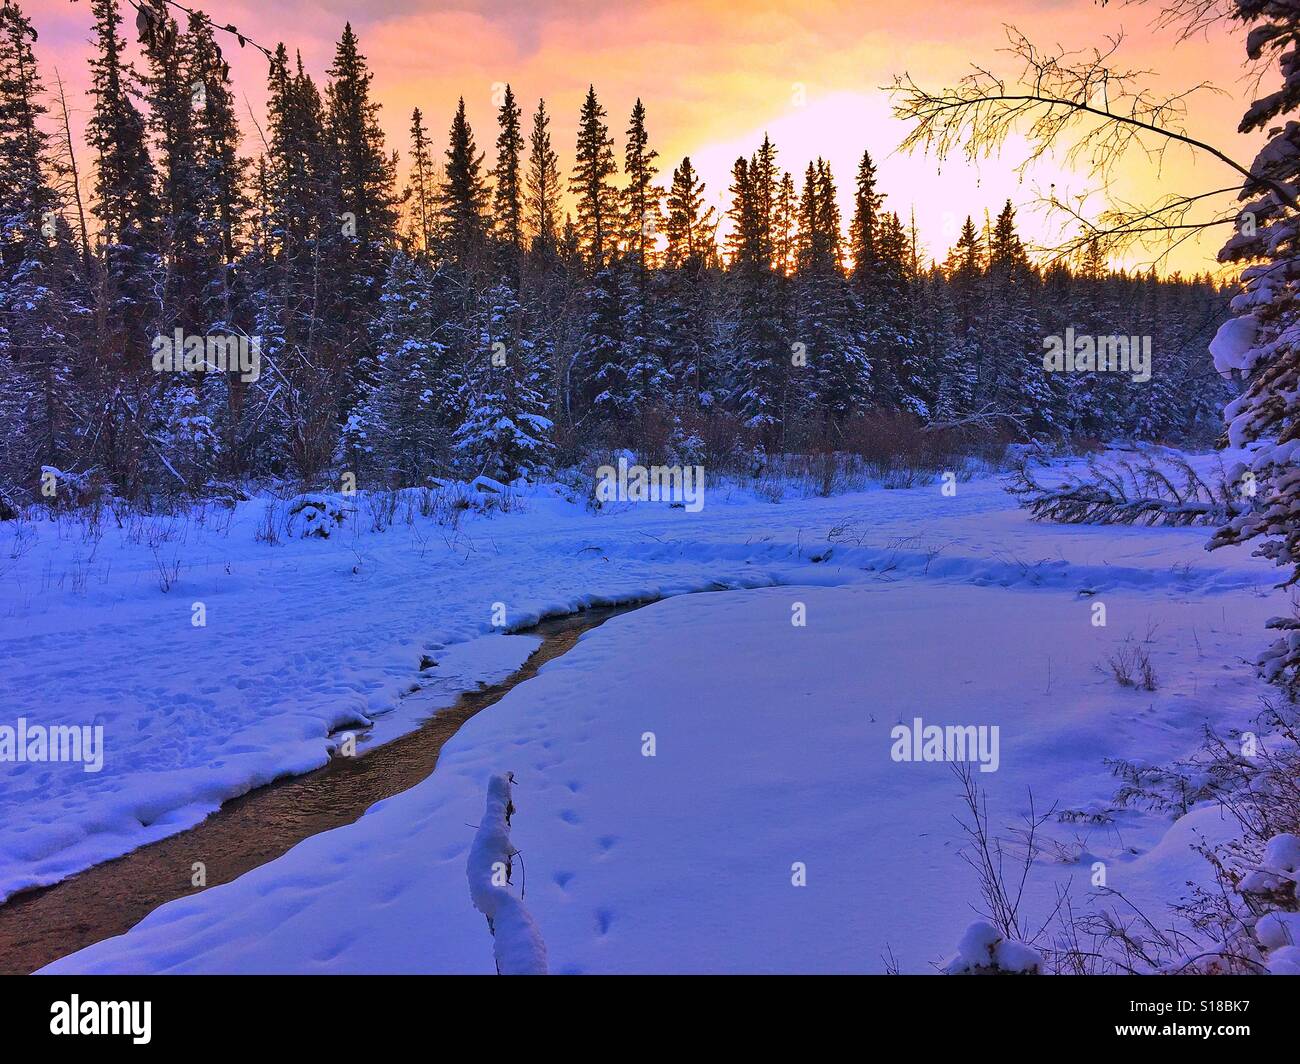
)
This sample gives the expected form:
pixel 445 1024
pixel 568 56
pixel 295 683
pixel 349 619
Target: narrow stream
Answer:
pixel 39 926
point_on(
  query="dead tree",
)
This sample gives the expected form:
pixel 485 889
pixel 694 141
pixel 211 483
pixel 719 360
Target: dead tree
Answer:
pixel 1150 491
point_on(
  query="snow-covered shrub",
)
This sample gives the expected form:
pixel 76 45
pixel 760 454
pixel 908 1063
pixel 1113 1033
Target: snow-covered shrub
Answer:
pixel 815 475
pixel 583 478
pixel 1001 944
pixel 71 490
pixel 318 514
pixel 517 943
pixel 1273 885
pixel 1284 961
pixel 771 488
pixel 1276 877
pixel 224 492
pixel 1278 929
pixel 886 440
pixel 686 447
pixel 984 950
pixel 1170 789
pixel 1249 921
pixel 382 508
pixel 271 525
pixel 487 495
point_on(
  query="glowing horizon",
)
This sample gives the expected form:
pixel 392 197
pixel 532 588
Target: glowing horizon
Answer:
pixel 714 80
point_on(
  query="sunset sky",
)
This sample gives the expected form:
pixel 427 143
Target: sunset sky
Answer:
pixel 716 74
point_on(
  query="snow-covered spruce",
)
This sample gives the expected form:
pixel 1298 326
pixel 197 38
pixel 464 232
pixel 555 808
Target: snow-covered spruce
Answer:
pixel 1260 344
pixel 984 950
pixel 517 943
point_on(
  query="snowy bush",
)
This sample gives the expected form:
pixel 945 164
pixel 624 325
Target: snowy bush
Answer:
pixel 319 514
pixel 517 943
pixel 984 951
pixel 1278 870
pixel 1249 921
pixel 70 489
pixel 1170 789
pixel 1272 884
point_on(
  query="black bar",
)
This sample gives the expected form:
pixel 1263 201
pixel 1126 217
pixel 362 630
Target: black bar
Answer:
pixel 249 1014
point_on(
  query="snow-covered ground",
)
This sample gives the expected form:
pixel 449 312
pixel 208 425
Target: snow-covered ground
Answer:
pixel 773 743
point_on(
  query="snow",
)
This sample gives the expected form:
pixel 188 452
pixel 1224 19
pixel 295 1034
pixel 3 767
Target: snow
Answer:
pixel 1232 345
pixel 1282 853
pixel 1278 867
pixel 1278 929
pixel 487 484
pixel 319 514
pixel 517 944
pixel 771 740
pixel 984 948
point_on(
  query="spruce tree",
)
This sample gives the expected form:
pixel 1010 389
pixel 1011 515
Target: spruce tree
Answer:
pixel 422 188
pixel 863 231
pixel 365 179
pixel 760 354
pixel 400 429
pixel 644 341
pixel 599 357
pixel 221 195
pixel 542 186
pixel 1012 335
pixel 504 433
pixel 591 186
pixel 365 171
pixel 507 197
pixel 125 196
pixel 463 198
pixel 642 200
pixel 825 321
pixel 298 307
pixel 42 306
pixel 688 227
pixel 765 179
pixel 171 117
pixel 1256 345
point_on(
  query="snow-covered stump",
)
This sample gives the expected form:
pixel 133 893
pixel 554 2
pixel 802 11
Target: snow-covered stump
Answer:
pixel 517 943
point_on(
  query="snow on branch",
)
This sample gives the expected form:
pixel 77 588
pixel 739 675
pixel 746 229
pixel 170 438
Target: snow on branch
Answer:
pixel 1151 491
pixel 517 943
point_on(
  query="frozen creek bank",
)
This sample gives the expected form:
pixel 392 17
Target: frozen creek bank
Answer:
pixel 772 753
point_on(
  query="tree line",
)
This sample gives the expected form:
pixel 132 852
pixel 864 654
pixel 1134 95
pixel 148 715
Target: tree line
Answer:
pixel 501 317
